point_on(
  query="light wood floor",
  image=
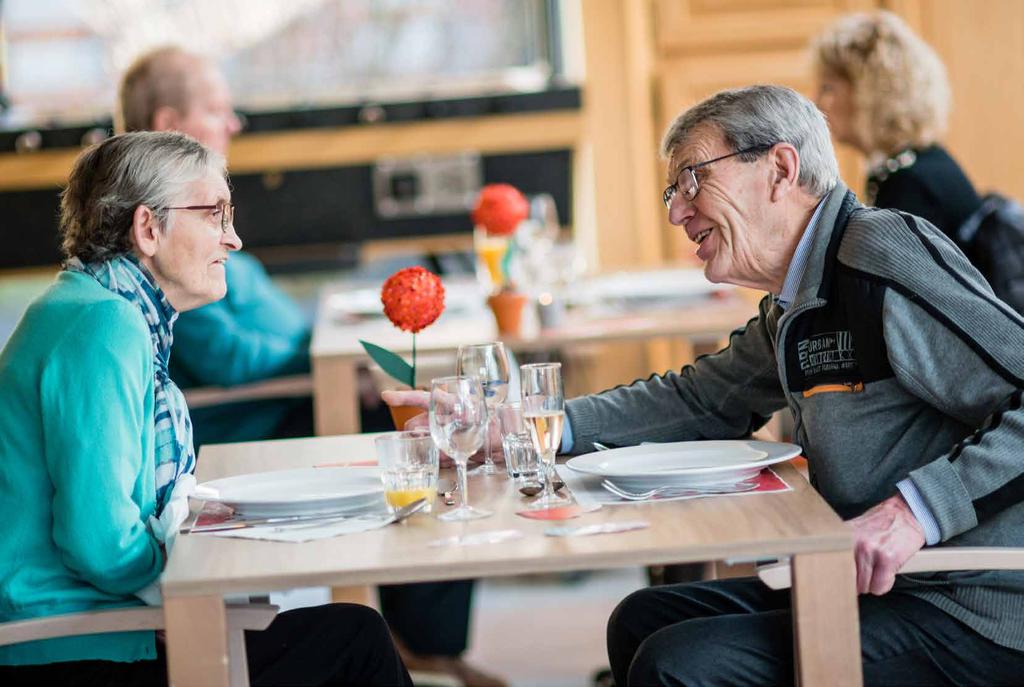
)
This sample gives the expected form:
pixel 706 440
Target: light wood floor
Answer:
pixel 540 631
pixel 547 631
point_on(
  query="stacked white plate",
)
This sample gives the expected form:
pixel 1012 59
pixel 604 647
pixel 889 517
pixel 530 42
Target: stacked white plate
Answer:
pixel 304 491
pixel 683 463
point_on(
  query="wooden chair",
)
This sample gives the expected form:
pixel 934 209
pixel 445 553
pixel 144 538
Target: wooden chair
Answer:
pixel 943 559
pixel 276 387
pixel 239 619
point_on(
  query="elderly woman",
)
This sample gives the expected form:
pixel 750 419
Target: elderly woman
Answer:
pixel 94 434
pixel 884 92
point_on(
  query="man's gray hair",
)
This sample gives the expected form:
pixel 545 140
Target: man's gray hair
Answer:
pixel 763 116
pixel 113 178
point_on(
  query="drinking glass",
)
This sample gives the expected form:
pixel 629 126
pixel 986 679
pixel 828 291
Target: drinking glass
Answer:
pixel 544 413
pixel 488 363
pixel 458 423
pixel 521 459
pixel 409 464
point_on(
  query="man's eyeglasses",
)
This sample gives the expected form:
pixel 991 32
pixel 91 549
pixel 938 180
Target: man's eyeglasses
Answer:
pixel 225 209
pixel 686 180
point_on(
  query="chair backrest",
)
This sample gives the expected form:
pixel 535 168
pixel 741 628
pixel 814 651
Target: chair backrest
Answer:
pixel 240 618
pixel 294 386
pixel 84 623
pixel 941 559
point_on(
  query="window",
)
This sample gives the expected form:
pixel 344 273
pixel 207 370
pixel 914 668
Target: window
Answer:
pixel 63 57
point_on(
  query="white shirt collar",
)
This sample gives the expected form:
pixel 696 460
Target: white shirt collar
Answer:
pixel 798 264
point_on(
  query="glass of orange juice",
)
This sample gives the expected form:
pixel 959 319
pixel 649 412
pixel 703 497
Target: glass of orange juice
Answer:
pixel 490 253
pixel 409 464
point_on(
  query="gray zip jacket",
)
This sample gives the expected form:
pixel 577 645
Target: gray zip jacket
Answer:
pixel 896 361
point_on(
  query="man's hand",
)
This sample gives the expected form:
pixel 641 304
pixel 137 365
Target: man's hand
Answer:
pixel 411 397
pixel 416 399
pixel 421 399
pixel 885 537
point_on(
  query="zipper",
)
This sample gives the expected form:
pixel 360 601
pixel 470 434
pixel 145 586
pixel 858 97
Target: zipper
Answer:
pixel 842 387
pixel 780 336
pixel 780 358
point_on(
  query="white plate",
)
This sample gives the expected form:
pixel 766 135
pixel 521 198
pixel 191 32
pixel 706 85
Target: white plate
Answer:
pixel 684 462
pixel 649 284
pixel 302 491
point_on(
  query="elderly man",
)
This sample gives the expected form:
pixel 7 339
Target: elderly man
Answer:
pixel 909 408
pixel 257 332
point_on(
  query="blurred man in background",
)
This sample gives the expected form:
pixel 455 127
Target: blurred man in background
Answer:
pixel 257 332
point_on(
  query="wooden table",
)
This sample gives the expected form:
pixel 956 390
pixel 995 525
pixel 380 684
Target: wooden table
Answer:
pixel 336 352
pixel 799 523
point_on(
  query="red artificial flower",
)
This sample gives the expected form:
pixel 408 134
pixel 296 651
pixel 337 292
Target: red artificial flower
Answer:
pixel 413 298
pixel 500 208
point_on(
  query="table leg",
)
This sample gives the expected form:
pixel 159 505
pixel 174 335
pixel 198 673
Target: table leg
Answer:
pixel 825 629
pixel 352 595
pixel 336 411
pixel 335 397
pixel 197 641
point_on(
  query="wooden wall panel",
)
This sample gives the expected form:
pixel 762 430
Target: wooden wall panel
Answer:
pixel 701 46
pixel 617 222
pixel 696 26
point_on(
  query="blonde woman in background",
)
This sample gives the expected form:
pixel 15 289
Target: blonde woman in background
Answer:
pixel 884 92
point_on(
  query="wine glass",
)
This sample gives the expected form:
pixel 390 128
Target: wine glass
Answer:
pixel 488 363
pixel 544 413
pixel 458 424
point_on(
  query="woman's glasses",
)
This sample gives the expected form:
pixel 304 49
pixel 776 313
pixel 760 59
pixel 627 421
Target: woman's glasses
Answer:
pixel 225 209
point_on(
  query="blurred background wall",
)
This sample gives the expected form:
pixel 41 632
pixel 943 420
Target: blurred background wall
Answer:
pixel 364 120
pixel 561 96
pixel 371 124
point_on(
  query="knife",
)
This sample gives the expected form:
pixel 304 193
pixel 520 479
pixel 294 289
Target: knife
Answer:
pixel 318 519
pixel 258 522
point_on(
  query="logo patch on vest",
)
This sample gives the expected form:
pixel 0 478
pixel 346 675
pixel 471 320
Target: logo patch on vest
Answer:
pixel 827 352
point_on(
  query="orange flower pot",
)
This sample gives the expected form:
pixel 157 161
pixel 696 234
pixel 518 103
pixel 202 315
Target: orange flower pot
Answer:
pixel 402 414
pixel 507 307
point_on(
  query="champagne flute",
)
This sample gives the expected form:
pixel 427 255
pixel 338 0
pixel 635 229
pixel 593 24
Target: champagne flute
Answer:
pixel 488 363
pixel 544 413
pixel 458 424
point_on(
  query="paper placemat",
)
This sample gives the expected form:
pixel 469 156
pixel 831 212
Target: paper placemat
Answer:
pixel 297 533
pixel 217 514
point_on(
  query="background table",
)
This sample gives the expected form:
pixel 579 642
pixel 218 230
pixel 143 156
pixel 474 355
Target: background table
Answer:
pixel 695 310
pixel 799 523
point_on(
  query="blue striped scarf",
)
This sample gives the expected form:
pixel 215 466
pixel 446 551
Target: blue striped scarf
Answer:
pixel 173 451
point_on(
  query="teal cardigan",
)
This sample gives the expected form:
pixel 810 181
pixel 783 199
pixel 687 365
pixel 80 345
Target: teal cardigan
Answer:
pixel 76 468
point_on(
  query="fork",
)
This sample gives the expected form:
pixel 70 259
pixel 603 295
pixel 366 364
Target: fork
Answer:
pixel 446 489
pixel 672 492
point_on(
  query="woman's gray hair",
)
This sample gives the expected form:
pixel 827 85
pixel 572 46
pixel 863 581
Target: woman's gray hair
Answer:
pixel 113 178
pixel 763 116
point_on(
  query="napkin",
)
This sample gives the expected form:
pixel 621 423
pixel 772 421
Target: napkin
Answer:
pixel 566 512
pixel 166 527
